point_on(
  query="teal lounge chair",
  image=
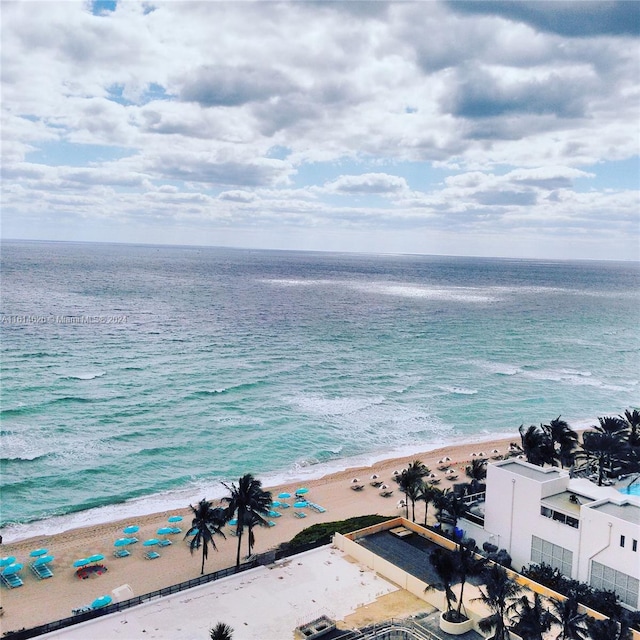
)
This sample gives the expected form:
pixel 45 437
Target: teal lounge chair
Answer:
pixel 41 571
pixel 164 543
pixel 12 580
pixel 121 553
pixel 299 514
pixel 151 555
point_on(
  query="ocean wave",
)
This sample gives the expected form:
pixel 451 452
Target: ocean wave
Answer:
pixel 83 376
pixel 243 386
pixel 408 290
pixel 499 368
pixel 463 391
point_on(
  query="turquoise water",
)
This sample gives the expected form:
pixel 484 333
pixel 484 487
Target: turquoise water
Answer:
pixel 135 378
pixel 633 490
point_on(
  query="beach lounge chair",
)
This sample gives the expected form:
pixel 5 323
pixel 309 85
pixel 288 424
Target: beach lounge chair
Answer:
pixel 317 507
pixel 79 610
pixel 12 580
pixel 284 505
pixel 164 543
pixel 175 530
pixel 271 523
pixel 357 487
pixel 121 553
pixel 376 483
pixel 386 493
pixel 41 571
pixel 299 514
pixel 151 555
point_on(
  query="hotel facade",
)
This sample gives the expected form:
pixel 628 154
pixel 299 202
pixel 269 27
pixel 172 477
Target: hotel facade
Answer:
pixel 541 514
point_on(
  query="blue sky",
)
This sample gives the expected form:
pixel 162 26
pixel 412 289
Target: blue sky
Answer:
pixel 462 128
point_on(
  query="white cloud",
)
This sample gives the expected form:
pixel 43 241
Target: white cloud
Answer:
pixel 511 114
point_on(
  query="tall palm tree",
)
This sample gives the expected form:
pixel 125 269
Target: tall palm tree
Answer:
pixel 467 565
pixel 207 522
pixel 572 624
pixel 477 472
pixel 531 620
pixel 537 445
pixel 427 494
pixel 606 448
pixel 409 482
pixel 498 594
pixel 564 441
pixel 246 499
pixel 444 565
pixel 221 631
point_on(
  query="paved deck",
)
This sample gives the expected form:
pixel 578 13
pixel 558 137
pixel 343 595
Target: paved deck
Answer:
pixel 410 553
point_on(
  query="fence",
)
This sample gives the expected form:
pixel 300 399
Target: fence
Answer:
pixel 56 625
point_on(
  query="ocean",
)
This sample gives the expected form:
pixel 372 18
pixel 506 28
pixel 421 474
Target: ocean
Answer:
pixel 136 378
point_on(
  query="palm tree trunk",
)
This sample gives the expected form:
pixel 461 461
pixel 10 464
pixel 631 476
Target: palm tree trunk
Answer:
pixel 239 545
pixel 426 507
pixel 413 510
pixel 202 568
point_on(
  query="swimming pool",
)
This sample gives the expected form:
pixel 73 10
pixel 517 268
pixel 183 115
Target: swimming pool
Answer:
pixel 633 490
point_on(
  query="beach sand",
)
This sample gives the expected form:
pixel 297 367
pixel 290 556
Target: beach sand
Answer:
pixel 40 601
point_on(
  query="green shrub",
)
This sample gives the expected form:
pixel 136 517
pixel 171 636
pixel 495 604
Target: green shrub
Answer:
pixel 320 534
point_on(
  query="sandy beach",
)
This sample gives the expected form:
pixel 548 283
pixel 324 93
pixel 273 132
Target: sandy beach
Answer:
pixel 40 601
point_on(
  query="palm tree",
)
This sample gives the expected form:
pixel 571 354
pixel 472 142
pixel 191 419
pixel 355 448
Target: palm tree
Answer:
pixel 608 630
pixel 467 566
pixel 247 499
pixel 498 593
pixel 221 631
pixel 207 522
pixel 537 446
pixel 605 447
pixel 531 621
pixel 612 425
pixel 409 482
pixel 427 494
pixel 445 566
pixel 477 471
pixel 572 623
pixel 564 441
pixel 632 420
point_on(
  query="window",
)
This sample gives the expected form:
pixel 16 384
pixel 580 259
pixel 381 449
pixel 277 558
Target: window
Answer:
pixel 622 541
pixel 634 545
pixel 552 554
pixel 559 517
pixel 627 587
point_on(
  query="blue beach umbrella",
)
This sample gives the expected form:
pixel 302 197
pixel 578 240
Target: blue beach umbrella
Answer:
pixel 38 552
pixel 7 560
pixel 43 560
pixel 12 568
pixel 123 542
pixel 151 542
pixel 102 601
pixel 175 519
pixel 301 491
pixel 273 514
pixel 83 562
pixel 133 528
pixel 96 557
pixel 164 531
pixel 284 495
pixel 300 504
pixel 275 503
pixel 233 522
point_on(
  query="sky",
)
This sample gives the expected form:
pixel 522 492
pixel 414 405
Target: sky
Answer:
pixel 458 127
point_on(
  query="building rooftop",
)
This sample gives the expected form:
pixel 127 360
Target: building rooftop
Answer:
pixel 628 511
pixel 530 471
pixel 566 501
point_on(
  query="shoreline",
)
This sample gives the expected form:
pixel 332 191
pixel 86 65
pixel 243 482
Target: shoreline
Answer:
pixel 176 499
pixel 23 607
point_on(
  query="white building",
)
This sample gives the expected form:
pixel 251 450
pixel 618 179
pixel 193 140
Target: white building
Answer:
pixel 540 514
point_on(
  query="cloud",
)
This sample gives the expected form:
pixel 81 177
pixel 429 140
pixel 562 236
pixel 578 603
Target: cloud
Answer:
pixel 231 86
pixel 368 184
pixel 575 18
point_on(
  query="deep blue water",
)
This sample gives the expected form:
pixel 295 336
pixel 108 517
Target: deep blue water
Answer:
pixel 138 377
